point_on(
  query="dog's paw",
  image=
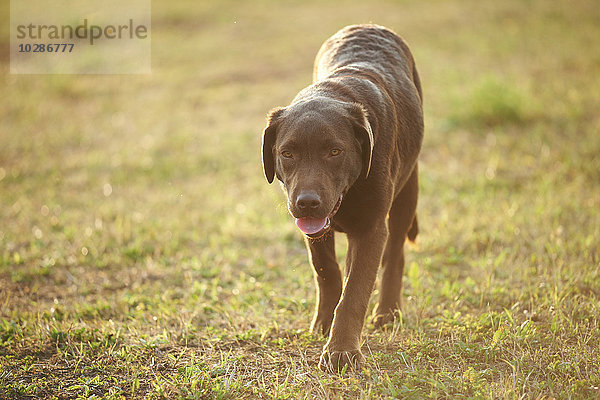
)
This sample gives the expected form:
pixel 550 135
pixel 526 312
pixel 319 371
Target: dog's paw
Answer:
pixel 321 325
pixel 382 319
pixel 336 361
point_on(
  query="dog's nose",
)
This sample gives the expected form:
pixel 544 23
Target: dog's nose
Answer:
pixel 308 200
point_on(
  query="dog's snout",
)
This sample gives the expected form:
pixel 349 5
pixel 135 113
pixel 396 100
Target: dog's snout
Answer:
pixel 308 200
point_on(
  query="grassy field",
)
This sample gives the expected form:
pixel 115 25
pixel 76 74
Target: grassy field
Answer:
pixel 143 255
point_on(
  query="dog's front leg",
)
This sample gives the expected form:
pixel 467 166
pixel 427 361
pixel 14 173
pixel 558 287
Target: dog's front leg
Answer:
pixel 364 256
pixel 329 282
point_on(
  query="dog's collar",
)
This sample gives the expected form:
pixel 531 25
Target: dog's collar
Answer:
pixel 320 236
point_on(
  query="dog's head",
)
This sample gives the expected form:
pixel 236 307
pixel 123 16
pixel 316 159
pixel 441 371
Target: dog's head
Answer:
pixel 317 148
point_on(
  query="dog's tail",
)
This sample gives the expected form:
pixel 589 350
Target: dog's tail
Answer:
pixel 414 230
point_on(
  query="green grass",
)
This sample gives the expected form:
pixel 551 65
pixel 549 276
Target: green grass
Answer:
pixel 492 103
pixel 143 255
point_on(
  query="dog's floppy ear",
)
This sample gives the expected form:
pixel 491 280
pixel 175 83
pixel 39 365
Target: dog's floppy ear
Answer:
pixel 268 141
pixel 364 133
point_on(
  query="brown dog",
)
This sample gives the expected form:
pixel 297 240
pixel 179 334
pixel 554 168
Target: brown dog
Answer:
pixel 346 152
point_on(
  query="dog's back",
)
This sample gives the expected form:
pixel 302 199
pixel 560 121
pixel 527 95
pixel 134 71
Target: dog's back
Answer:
pixel 366 47
pixel 379 67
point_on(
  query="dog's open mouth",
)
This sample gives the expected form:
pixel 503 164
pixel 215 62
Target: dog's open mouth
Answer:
pixel 314 227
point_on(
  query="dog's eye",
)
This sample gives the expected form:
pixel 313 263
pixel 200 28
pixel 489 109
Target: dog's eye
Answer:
pixel 335 152
pixel 287 154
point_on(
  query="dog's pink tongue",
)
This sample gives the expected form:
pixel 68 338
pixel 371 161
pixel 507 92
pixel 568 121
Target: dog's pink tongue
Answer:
pixel 310 225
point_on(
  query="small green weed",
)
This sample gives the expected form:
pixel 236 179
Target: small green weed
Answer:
pixel 492 101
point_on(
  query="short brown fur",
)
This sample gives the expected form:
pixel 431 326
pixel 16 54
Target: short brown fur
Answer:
pixel 354 134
